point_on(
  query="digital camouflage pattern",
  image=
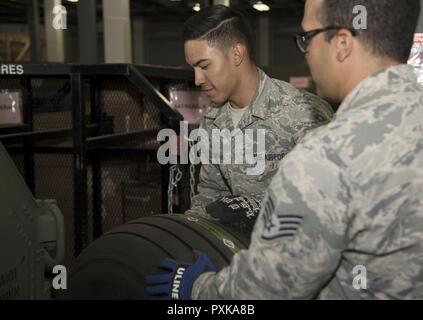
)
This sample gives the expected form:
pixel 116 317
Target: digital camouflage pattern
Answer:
pixel 285 113
pixel 351 193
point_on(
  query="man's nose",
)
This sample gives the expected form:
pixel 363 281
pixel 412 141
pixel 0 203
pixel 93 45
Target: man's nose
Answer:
pixel 199 78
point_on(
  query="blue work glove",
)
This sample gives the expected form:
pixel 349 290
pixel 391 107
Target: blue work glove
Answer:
pixel 178 283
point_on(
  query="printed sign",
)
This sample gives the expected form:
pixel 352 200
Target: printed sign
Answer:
pixel 191 104
pixel 10 107
pixel 300 82
pixel 416 57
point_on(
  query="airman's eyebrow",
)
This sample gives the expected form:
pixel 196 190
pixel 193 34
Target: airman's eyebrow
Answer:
pixel 199 62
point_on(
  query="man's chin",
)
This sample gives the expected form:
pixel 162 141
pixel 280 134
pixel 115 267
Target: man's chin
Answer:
pixel 328 97
pixel 320 92
pixel 216 100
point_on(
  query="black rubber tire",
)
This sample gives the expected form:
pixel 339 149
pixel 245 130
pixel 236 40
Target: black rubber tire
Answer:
pixel 114 266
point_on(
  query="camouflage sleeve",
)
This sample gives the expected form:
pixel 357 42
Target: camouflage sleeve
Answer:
pixel 310 112
pixel 211 187
pixel 299 236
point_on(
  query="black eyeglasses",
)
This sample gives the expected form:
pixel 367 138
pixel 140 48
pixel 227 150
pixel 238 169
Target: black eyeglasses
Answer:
pixel 303 39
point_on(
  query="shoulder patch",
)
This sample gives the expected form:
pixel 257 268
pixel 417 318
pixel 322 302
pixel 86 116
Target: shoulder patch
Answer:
pixel 278 226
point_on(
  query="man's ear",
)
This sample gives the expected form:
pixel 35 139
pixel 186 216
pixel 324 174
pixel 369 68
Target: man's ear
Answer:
pixel 239 52
pixel 344 44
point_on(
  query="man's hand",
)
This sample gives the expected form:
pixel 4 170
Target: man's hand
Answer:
pixel 177 284
pixel 236 211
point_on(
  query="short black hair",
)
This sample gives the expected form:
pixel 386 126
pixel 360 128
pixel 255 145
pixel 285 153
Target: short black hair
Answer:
pixel 221 27
pixel 391 24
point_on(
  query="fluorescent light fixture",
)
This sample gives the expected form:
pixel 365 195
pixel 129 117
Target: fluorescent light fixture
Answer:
pixel 260 6
pixel 73 0
pixel 196 7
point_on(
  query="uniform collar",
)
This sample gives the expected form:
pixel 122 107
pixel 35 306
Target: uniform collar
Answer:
pixel 378 84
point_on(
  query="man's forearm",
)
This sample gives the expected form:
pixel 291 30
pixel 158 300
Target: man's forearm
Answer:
pixel 205 281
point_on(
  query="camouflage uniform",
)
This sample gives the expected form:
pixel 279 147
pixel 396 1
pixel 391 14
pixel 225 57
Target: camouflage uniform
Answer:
pixel 350 194
pixel 285 112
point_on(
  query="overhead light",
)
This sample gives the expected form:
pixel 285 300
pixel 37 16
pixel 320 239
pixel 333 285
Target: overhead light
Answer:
pixel 73 0
pixel 260 6
pixel 196 7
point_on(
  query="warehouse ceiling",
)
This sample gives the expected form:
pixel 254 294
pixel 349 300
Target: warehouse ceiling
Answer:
pixel 15 11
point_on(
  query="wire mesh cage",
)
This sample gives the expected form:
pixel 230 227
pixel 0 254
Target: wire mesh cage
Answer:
pixel 121 181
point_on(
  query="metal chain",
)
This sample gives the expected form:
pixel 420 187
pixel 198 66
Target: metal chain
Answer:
pixel 191 175
pixel 175 175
